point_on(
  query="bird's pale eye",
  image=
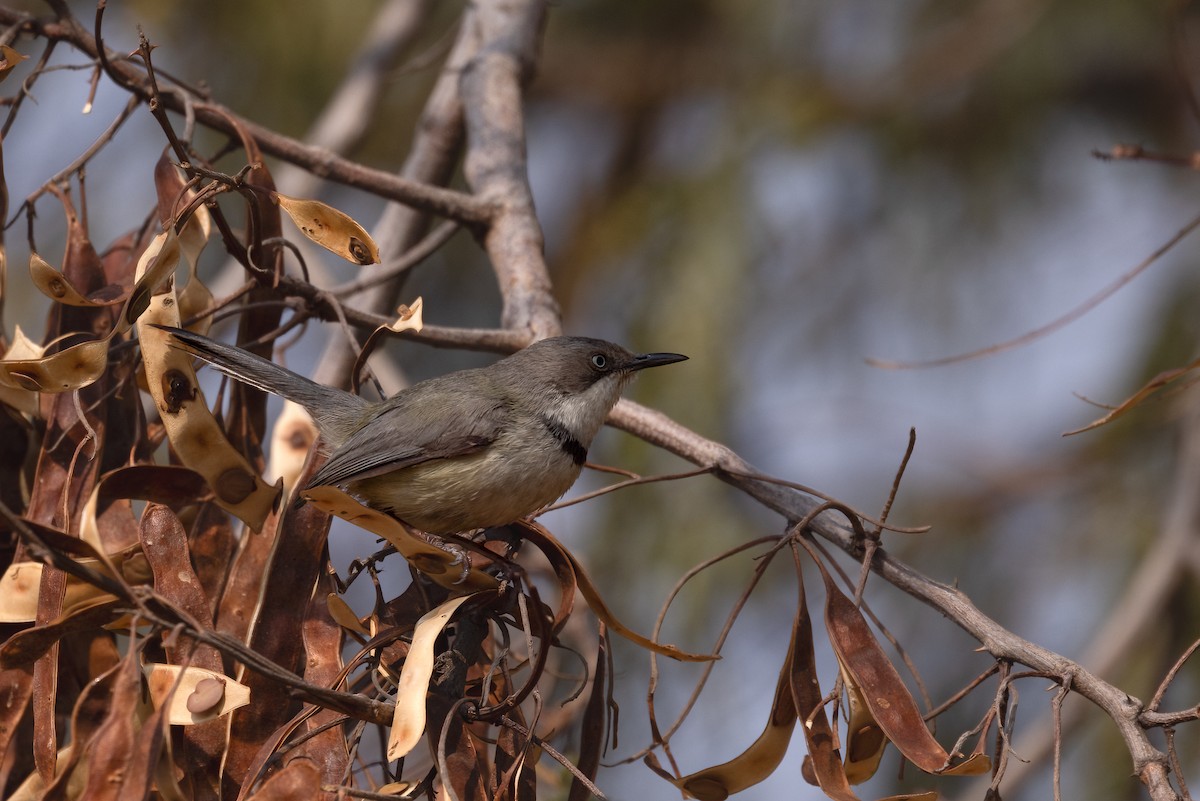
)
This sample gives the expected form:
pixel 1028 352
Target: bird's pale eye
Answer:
pixel 598 361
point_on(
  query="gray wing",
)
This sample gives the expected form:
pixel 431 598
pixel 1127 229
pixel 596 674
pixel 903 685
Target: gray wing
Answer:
pixel 411 428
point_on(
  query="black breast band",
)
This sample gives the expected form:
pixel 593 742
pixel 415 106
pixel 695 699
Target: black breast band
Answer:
pixel 566 440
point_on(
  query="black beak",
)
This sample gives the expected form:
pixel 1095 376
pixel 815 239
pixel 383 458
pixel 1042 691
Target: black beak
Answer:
pixel 645 360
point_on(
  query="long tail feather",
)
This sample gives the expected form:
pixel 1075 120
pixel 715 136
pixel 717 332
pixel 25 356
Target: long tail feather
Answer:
pixel 333 409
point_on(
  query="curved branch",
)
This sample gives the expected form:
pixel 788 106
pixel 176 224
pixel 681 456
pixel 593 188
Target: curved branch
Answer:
pixel 1150 764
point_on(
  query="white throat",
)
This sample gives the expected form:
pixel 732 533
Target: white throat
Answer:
pixel 584 413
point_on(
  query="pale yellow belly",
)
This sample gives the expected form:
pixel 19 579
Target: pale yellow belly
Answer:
pixel 475 491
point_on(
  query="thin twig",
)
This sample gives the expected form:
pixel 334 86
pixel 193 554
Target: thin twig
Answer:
pixel 964 692
pixel 1055 324
pixel 556 755
pixel 873 538
pixel 1056 707
pixel 1170 677
pixel 81 161
pixel 632 482
pixel 411 258
pixel 661 738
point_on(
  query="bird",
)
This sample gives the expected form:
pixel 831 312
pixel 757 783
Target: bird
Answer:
pixel 468 450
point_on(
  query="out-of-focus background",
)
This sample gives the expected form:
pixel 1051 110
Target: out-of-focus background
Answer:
pixel 783 189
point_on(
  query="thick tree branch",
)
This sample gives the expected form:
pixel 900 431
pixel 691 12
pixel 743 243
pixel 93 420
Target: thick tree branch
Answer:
pixel 496 166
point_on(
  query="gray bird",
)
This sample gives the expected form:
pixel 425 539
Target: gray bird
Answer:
pixel 466 450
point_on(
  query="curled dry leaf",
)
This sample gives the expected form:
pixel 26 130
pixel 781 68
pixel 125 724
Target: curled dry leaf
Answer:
pixel 69 369
pixel 888 703
pixel 822 765
pixel 156 264
pixel 865 741
pixel 89 529
pixel 27 646
pixel 191 428
pixel 34 786
pixel 174 197
pixel 80 365
pixel 291 439
pixel 169 485
pixel 564 570
pixel 1151 387
pixel 331 229
pixel 409 317
pixel 440 565
pixel 593 732
pixel 19 591
pixel 395 788
pixel 22 347
pixel 194 237
pixel 298 780
pixel 174 686
pixel 54 285
pixel 762 757
pixel 408 723
pixel 195 297
pixel 459 756
pixel 343 615
pixel 797 697
pixel 135 567
pixel 9 59
pixel 601 610
pixel 23 400
pixel 111 750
